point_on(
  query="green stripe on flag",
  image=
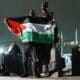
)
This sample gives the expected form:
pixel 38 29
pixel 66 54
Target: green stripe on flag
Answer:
pixel 36 37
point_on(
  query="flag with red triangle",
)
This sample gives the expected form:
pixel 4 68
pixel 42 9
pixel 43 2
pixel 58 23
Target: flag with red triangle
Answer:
pixel 31 29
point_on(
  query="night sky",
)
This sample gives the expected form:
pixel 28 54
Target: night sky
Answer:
pixel 67 15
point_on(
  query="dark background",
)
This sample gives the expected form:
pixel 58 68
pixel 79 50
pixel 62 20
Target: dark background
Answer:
pixel 67 14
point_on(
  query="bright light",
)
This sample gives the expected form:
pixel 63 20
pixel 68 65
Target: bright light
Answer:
pixel 1 50
pixel 6 53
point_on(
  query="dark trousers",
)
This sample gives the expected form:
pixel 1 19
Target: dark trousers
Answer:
pixel 30 61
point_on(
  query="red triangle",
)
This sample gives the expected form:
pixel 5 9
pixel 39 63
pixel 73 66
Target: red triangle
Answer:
pixel 15 27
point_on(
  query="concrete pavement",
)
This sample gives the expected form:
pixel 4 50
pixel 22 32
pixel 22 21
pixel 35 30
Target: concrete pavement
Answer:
pixel 30 78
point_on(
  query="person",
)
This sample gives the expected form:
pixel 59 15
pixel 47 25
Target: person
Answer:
pixel 44 12
pixel 55 61
pixel 44 56
pixel 59 61
pixel 13 61
pixel 29 51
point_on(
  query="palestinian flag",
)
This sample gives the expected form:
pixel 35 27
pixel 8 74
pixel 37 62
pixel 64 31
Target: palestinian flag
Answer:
pixel 31 29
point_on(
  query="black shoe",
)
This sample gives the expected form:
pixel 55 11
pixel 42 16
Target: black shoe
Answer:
pixel 24 75
pixel 38 76
pixel 50 74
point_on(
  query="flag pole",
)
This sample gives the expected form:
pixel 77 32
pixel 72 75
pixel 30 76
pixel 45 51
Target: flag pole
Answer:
pixel 76 37
pixel 61 43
